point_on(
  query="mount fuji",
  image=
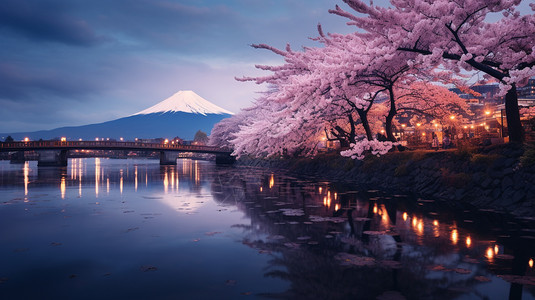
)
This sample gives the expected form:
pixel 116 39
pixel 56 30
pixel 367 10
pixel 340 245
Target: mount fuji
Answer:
pixel 182 115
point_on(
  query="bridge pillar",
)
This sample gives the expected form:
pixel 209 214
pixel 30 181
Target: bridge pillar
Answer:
pixel 52 158
pixel 224 159
pixel 17 157
pixel 168 158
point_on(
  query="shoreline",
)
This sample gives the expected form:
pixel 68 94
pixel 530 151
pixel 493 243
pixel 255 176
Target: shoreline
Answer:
pixel 500 177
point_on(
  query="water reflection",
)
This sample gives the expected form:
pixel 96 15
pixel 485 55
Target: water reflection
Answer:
pixel 423 249
pixel 327 240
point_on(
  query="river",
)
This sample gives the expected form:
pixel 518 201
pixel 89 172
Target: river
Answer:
pixel 132 229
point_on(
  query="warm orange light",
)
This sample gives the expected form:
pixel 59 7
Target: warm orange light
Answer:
pixel 489 254
pixel 452 117
pixel 436 125
pixel 26 139
pixel 420 226
pixel 435 222
pixel 405 216
pixel 382 131
pixel 418 124
pixel 324 201
pixel 80 140
pixel 260 188
pixel 375 209
pixel 423 133
pixel 63 139
pixel 320 189
pixel 121 139
pixel 403 125
pixel 335 195
pixel 465 127
pixel 337 206
pixel 472 126
pixel 166 141
pixel 530 262
pixel 271 181
pixel 468 241
pixel 454 236
pixel 496 249
pixel 487 112
pixel 414 221
pixel 96 139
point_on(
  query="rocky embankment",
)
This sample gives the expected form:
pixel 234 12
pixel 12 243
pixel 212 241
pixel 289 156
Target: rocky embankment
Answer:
pixel 499 177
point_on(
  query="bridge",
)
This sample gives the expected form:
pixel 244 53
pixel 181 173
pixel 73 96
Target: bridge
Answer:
pixel 54 153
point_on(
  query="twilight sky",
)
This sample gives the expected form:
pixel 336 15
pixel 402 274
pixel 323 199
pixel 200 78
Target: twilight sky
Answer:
pixel 75 62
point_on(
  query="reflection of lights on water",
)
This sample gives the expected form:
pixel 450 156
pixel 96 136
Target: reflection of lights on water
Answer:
pixel 496 249
pixel 328 194
pixel 414 221
pixel 120 185
pixel 172 180
pixel 197 174
pixel 530 262
pixel 271 181
pixel 62 187
pixel 97 175
pixel 420 227
pixel 336 207
pixel 108 186
pixel 324 201
pixel 335 195
pixel 454 236
pixel 135 179
pixel 260 188
pixel 375 209
pixel 165 182
pixel 490 253
pixel 26 178
pixel 319 190
pixel 405 216
pixel 435 222
pixel 468 241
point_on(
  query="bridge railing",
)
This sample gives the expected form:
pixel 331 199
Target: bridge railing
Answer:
pixel 108 144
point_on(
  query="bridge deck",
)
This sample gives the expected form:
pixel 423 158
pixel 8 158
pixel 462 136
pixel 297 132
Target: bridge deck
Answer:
pixel 107 145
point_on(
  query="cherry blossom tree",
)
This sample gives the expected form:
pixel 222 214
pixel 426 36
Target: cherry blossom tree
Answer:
pixel 459 35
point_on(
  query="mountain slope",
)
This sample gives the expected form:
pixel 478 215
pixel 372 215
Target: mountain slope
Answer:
pixel 182 116
pixel 185 101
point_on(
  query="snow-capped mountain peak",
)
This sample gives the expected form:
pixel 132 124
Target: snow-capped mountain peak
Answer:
pixel 185 101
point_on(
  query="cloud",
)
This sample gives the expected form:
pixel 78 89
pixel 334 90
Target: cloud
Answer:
pixel 45 21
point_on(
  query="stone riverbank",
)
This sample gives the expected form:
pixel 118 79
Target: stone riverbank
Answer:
pixel 500 177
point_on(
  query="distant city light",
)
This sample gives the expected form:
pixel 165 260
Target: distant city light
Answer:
pixel 166 141
pixel 26 139
pixel 63 139
pixel 487 112
pixel 418 124
pixel 121 139
pixel 530 263
pixel 80 140
pixel 452 117
pixel 96 139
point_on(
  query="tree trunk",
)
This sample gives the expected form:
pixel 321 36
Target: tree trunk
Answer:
pixel 365 123
pixel 514 126
pixel 390 117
